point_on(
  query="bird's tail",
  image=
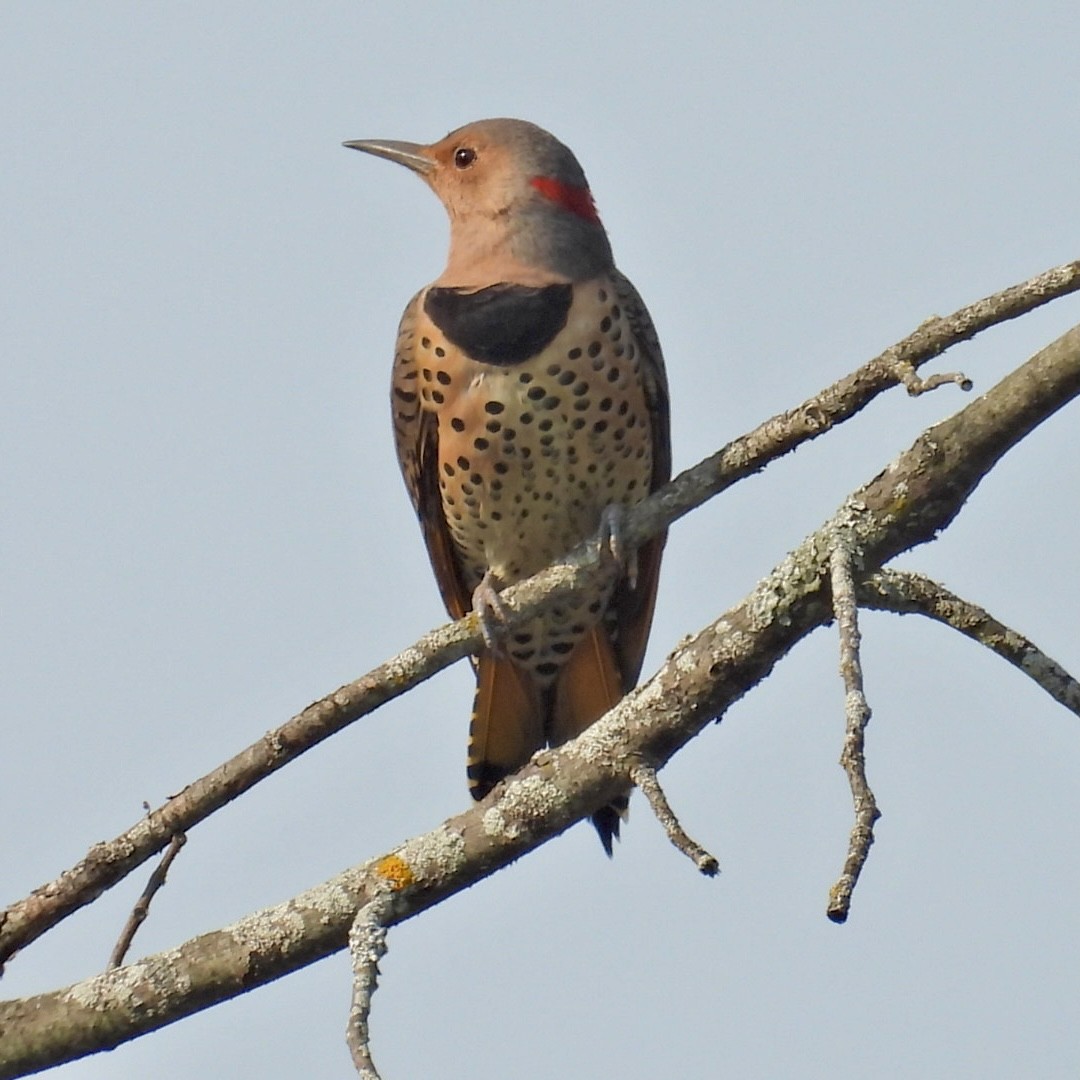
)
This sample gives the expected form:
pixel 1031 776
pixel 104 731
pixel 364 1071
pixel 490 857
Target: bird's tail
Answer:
pixel 507 725
pixel 590 684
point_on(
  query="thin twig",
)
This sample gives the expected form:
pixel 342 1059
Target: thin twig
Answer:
pixel 367 946
pixel 905 592
pixel 938 333
pixel 644 779
pixel 109 862
pixel 142 905
pixel 857 716
pixel 915 385
pixel 906 369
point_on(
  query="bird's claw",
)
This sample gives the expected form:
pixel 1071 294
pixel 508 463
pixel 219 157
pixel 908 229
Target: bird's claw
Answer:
pixel 491 613
pixel 613 539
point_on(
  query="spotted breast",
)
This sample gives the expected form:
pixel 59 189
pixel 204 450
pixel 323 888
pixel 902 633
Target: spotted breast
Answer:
pixel 521 453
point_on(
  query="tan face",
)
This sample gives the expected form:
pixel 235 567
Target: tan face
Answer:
pixel 474 175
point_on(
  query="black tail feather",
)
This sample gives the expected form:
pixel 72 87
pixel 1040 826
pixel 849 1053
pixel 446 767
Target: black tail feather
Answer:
pixel 607 820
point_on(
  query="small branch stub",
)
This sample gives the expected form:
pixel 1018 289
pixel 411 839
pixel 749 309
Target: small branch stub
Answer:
pixel 915 385
pixel 644 778
pixel 857 716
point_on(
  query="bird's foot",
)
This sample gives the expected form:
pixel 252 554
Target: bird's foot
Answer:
pixel 613 540
pixel 491 612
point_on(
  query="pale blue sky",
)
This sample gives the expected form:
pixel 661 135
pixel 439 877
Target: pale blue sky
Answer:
pixel 203 527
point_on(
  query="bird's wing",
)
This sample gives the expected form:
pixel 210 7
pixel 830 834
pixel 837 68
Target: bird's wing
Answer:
pixel 416 436
pixel 634 606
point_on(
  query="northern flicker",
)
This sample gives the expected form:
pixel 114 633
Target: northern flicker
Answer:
pixel 529 405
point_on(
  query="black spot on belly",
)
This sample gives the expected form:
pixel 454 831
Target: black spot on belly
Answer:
pixel 502 324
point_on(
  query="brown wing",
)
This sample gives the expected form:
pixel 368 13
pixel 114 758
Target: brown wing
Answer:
pixel 416 435
pixel 634 606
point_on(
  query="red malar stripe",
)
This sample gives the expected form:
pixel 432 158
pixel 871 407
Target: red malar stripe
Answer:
pixel 575 199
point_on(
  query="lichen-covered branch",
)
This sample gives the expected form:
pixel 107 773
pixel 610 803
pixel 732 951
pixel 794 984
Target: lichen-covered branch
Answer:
pixel 856 717
pixel 109 862
pixel 915 497
pixel 905 592
pixel 367 946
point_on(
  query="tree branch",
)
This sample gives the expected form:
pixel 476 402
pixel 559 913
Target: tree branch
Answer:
pixel 915 497
pixel 856 716
pixel 142 905
pixel 109 862
pixel 644 779
pixel 904 592
pixel 367 946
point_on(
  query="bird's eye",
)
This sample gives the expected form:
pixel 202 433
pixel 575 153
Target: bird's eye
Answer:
pixel 464 156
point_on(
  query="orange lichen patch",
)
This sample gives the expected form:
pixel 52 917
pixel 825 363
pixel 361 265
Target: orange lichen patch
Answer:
pixel 396 871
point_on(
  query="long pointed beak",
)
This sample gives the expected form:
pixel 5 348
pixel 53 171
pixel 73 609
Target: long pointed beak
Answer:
pixel 411 155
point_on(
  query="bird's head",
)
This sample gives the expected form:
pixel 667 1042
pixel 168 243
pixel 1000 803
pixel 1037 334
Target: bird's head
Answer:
pixel 519 204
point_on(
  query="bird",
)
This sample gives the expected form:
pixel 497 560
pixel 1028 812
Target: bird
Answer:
pixel 530 409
